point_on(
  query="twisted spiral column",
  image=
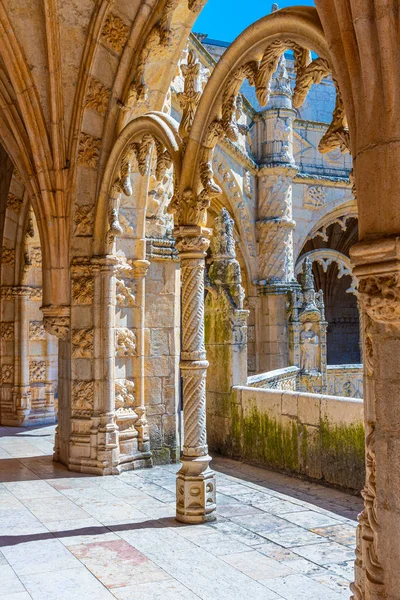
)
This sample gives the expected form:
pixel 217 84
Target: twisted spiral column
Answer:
pixel 195 480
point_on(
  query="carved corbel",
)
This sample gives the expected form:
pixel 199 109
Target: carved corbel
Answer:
pixel 56 320
pixel 190 97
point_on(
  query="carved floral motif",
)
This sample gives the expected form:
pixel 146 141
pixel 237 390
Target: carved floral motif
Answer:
pixel 37 331
pixel 125 294
pixel 7 374
pixel 82 397
pixel 98 97
pixel 114 33
pixel 88 150
pixel 37 371
pixel 314 197
pixel 14 203
pixel 7 256
pixel 6 331
pixel 83 219
pixel 125 342
pixel 82 343
pixel 124 395
pixel 83 290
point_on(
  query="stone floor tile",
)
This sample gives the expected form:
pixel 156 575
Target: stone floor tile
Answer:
pixel 54 509
pixel 331 580
pixel 262 522
pixel 294 536
pixel 235 509
pixel 9 581
pixel 325 553
pixel 342 534
pixel 116 563
pixel 31 489
pixel 17 523
pixel 39 556
pixel 344 569
pixel 257 566
pixel 14 470
pixel 81 531
pixel 160 590
pixel 287 557
pixel 16 596
pixel 300 587
pixel 66 584
pixel 310 519
pixel 278 507
pixel 236 532
pixel 219 544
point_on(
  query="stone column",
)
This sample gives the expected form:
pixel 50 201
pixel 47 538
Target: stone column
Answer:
pixel 195 480
pixel 275 224
pixel 107 433
pixel 377 265
pixel 140 268
pixel 22 394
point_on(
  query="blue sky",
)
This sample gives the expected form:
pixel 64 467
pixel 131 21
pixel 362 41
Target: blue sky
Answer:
pixel 225 19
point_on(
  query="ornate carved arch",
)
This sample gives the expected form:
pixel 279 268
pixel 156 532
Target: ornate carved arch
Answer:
pixel 325 257
pixel 254 55
pixel 134 144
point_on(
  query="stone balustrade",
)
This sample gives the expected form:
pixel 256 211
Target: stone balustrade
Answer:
pixel 345 380
pixel 279 379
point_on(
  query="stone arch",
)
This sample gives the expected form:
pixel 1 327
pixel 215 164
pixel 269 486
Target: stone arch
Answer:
pixel 28 357
pixel 325 257
pixel 254 55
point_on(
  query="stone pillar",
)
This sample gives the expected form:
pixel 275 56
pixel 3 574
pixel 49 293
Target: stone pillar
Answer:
pixel 275 224
pixel 226 333
pixel 107 446
pixel 140 268
pixel 377 265
pixel 22 393
pixel 195 480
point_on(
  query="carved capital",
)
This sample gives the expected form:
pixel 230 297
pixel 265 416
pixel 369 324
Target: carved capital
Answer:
pixel 193 242
pixel 377 266
pixel 56 320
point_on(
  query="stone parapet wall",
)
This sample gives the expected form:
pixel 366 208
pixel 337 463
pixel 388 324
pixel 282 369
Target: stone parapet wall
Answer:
pixel 315 436
pixel 280 379
pixel 345 380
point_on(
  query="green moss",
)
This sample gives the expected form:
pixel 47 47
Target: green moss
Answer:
pixel 343 454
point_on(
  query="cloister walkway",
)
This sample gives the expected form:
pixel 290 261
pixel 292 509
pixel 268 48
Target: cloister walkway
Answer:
pixel 66 536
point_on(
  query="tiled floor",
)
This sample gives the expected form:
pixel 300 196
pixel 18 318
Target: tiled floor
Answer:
pixel 64 536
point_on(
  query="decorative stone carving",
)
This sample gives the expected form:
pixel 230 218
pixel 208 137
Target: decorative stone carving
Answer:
pixel 125 294
pixel 309 343
pixel 88 150
pixel 190 97
pixel 125 342
pixel 337 134
pixel 14 203
pixel 18 291
pixel 6 331
pixel 83 290
pixel 83 219
pixel 98 97
pixel 7 374
pixel 380 297
pixel 247 184
pixel 56 320
pixel 82 343
pixel 82 397
pixel 314 197
pixel 7 256
pixel 114 33
pixel 37 331
pixel 125 396
pixel 37 371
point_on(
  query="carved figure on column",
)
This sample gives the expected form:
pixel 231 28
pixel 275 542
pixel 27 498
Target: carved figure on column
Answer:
pixel 309 342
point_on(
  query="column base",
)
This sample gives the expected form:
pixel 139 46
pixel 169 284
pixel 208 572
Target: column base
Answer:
pixel 195 491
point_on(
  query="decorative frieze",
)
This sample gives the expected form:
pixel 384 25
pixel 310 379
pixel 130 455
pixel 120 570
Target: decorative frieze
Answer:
pixel 7 374
pixel 6 331
pixel 114 33
pixel 82 343
pixel 125 342
pixel 18 291
pixel 83 219
pixel 98 97
pixel 37 331
pixel 88 150
pixel 82 397
pixel 37 371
